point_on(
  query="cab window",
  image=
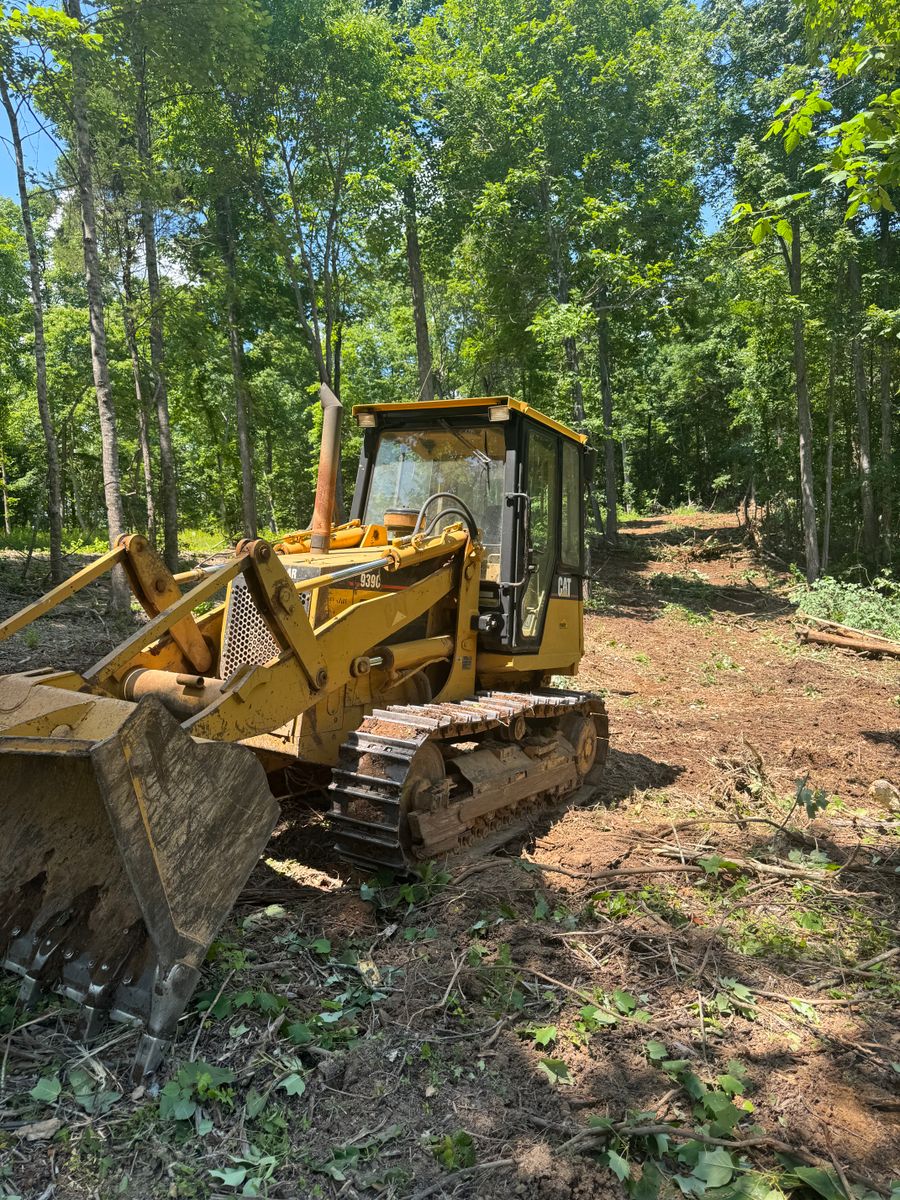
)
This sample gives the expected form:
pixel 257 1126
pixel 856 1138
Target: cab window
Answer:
pixel 572 549
pixel 543 521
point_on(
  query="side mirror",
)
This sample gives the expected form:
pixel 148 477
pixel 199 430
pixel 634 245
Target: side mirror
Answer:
pixel 590 463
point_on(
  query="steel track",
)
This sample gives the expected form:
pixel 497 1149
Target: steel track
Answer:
pixel 369 816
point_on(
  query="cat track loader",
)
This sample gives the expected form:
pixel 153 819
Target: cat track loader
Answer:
pixel 410 649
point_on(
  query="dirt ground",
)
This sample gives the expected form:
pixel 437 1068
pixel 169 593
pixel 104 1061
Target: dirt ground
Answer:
pixel 690 984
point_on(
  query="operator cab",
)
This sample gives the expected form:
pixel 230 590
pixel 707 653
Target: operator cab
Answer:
pixel 506 470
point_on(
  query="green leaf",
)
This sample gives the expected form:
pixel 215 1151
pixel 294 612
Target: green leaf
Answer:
pixel 624 1001
pixel 784 230
pixel 321 946
pixel 693 1085
pixel 47 1089
pixel 714 1167
pixel 805 1009
pixel 715 863
pixel 300 1033
pixel 544 1034
pixel 731 1085
pixel 599 1016
pixel 175 1103
pixel 618 1165
pixel 254 1103
pixel 649 1184
pixel 293 1084
pixel 230 1176
pixel 556 1070
pixel 656 1051
pixel 820 1181
pixel 674 1066
pixel 726 1115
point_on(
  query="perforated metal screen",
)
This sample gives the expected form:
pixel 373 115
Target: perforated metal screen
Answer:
pixel 246 638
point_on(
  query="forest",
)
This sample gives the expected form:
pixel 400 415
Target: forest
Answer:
pixel 669 223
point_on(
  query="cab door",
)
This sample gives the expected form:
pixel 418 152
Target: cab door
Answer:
pixel 542 484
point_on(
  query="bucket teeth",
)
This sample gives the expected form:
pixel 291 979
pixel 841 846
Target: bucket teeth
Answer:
pixel 119 860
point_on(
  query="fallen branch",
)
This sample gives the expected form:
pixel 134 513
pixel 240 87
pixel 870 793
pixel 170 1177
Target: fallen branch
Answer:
pixel 442 1184
pixel 861 969
pixel 845 630
pixel 860 645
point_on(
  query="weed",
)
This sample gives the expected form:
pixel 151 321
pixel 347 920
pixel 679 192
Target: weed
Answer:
pixel 874 607
pixel 599 598
pixel 196 1084
pixel 677 586
pixel 666 903
pixel 250 1171
pixel 678 612
pixel 454 1150
pixel 719 663
pixel 758 936
pixel 390 896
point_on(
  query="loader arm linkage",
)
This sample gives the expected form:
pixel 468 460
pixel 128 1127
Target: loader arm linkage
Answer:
pixel 130 829
pixel 411 651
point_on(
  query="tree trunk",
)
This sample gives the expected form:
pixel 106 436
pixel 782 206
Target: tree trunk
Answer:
pixel 861 396
pixel 829 465
pixel 270 495
pixel 609 444
pixel 804 414
pixel 886 392
pixel 54 501
pixel 236 352
pixel 417 283
pixel 132 344
pixel 6 526
pixel 115 513
pixel 147 467
pixel 168 483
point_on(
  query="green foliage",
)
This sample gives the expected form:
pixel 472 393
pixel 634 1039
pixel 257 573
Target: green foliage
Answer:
pixel 454 1150
pixel 568 167
pixel 405 897
pixel 195 1085
pixel 874 607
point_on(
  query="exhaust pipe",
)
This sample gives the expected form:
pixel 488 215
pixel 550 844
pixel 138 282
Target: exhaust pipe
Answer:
pixel 329 464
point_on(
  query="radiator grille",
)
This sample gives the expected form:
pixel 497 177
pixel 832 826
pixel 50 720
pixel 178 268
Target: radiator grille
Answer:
pixel 246 639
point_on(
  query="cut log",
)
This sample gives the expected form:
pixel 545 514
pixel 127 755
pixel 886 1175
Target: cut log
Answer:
pixel 861 645
pixel 846 630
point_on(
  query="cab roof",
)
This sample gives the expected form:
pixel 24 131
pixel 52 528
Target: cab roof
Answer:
pixel 426 406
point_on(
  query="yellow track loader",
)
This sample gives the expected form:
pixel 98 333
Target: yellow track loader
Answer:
pixel 409 649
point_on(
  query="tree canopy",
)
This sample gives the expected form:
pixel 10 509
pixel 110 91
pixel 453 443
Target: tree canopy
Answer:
pixel 672 224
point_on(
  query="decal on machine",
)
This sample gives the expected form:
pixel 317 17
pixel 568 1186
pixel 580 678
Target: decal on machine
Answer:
pixel 566 587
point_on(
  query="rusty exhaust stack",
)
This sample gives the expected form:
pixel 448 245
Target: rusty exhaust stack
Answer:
pixel 329 465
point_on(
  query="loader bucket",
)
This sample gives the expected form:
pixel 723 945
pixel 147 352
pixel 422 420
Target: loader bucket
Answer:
pixel 119 860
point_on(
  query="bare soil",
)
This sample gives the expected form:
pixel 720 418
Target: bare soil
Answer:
pixel 401 1043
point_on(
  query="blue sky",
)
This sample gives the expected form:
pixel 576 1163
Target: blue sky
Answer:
pixel 38 148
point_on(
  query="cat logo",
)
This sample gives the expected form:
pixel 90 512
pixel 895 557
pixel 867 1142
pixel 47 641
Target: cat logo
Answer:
pixel 564 586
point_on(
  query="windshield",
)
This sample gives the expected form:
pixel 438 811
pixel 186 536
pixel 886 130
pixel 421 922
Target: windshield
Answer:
pixel 412 464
